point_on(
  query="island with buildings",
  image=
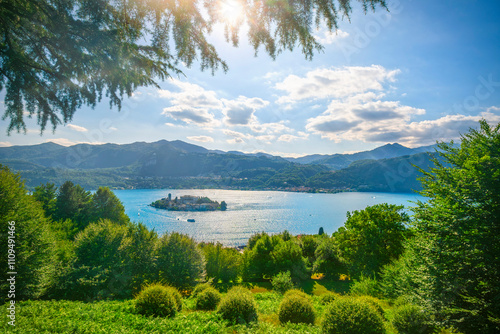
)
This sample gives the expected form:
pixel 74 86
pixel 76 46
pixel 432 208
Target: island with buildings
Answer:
pixel 189 203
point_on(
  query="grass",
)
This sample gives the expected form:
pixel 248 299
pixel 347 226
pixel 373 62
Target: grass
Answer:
pixel 121 317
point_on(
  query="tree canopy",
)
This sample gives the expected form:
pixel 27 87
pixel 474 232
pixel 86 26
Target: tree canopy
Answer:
pixel 59 55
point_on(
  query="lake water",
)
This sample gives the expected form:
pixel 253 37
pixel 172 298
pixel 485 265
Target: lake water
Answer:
pixel 249 212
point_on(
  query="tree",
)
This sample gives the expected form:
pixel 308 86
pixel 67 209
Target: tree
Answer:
pixel 180 262
pixel 223 206
pixel 46 195
pixel 328 259
pixel 372 238
pixel 59 55
pixel 73 203
pixel 22 220
pixel 105 205
pixel 460 222
pixel 221 263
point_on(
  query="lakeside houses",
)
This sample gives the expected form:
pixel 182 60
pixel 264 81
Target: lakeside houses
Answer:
pixel 188 203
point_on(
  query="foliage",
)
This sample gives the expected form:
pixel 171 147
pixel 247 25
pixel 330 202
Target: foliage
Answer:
pixel 105 205
pixel 327 258
pixel 321 231
pixel 373 302
pixel 199 288
pixel 296 309
pixel 365 286
pixel 282 282
pixel 271 255
pixel 208 299
pixel 238 306
pixel 351 316
pixel 24 237
pixel 411 319
pixel 223 206
pixel 156 300
pixel 295 292
pixel 287 256
pixel 60 55
pixel 100 269
pixel 221 263
pixel 73 203
pixel 328 297
pixel 372 238
pixel 177 297
pixel 180 262
pixel 46 195
pixel 111 317
pixel 459 229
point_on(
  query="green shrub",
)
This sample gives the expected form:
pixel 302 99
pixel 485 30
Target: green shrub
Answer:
pixel 296 309
pixel 295 292
pixel 411 319
pixel 238 306
pixel 365 286
pixel 328 297
pixel 351 316
pixel 177 297
pixel 199 288
pixel 156 300
pixel 402 300
pixel 282 282
pixel 208 299
pixel 373 302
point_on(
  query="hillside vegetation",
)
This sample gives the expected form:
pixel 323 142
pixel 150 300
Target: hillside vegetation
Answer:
pixel 81 265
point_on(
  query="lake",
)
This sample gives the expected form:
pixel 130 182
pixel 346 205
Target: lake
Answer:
pixel 249 212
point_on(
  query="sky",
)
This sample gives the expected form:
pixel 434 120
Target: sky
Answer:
pixel 424 71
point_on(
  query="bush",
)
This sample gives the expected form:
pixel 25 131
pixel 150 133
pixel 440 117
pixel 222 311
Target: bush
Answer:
pixel 411 319
pixel 156 300
pixel 179 260
pixel 200 288
pixel 351 316
pixel 296 309
pixel 295 292
pixel 328 297
pixel 365 286
pixel 282 282
pixel 208 299
pixel 238 306
pixel 373 302
pixel 177 297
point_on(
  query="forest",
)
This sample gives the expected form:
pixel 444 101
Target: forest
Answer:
pixel 81 265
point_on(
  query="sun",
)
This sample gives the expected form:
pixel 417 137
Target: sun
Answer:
pixel 231 11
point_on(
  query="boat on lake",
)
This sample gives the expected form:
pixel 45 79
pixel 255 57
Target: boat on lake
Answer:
pixel 191 220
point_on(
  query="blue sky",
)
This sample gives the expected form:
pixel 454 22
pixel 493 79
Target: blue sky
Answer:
pixel 425 71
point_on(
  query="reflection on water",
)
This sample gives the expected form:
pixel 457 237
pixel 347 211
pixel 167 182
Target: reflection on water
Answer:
pixel 249 212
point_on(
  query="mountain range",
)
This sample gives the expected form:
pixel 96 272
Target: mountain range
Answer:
pixel 180 164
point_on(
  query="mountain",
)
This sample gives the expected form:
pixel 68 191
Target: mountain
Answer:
pixel 340 161
pixel 177 164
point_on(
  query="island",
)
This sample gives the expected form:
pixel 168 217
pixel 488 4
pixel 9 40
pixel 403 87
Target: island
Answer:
pixel 189 203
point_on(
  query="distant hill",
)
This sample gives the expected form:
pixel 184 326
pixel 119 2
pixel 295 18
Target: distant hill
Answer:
pixel 340 161
pixel 178 164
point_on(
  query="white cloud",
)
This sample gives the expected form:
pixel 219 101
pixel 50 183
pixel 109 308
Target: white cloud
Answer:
pixel 288 137
pixel 5 144
pixel 335 83
pixel 191 115
pixel 389 121
pixel 191 95
pixel 326 37
pixel 241 110
pixel 202 139
pixel 265 138
pixel 77 128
